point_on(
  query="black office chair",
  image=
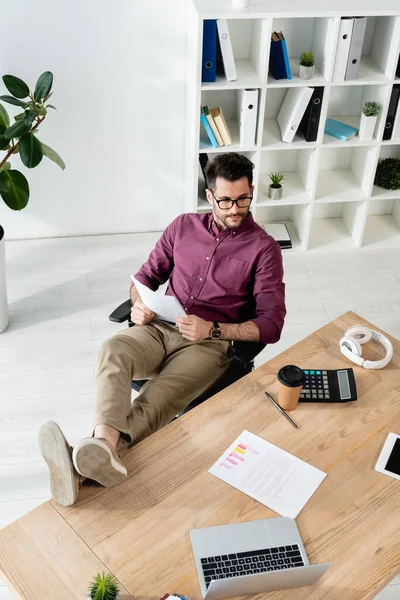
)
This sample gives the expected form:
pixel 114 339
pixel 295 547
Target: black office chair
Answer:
pixel 241 364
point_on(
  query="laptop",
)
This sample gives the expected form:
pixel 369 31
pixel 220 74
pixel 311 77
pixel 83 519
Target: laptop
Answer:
pixel 251 558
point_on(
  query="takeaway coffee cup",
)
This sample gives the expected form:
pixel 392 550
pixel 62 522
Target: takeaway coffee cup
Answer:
pixel 290 382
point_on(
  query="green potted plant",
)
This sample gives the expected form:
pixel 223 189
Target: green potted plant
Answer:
pixel 275 187
pixel 104 586
pixel 306 65
pixel 20 138
pixel 388 174
pixel 369 115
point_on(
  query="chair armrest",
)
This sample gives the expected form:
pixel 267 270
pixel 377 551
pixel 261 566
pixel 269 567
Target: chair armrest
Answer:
pixel 122 313
pixel 247 351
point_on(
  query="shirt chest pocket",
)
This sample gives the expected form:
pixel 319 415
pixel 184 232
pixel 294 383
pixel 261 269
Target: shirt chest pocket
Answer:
pixel 231 272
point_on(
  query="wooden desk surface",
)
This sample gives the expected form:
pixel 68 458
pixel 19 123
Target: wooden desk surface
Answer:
pixel 140 530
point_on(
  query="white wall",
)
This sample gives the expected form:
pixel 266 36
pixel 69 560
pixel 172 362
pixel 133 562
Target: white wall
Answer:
pixel 119 87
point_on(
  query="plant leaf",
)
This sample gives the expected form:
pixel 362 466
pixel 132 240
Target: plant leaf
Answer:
pixel 42 111
pixel 16 130
pixel 4 118
pixel 52 155
pixel 16 194
pixel 19 116
pixel 29 117
pixel 4 142
pixel 30 151
pixel 14 101
pixel 50 106
pixel 43 85
pixel 16 86
pixel 6 165
pixel 47 97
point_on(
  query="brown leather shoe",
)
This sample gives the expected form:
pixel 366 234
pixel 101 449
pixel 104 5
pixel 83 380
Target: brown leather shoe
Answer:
pixel 64 480
pixel 96 459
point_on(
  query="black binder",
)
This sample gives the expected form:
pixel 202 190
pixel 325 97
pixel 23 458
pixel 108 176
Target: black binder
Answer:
pixel 398 68
pixel 203 158
pixel 391 113
pixel 310 121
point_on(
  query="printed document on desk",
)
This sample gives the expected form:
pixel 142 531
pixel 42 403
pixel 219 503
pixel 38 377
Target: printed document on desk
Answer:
pixel 167 308
pixel 268 474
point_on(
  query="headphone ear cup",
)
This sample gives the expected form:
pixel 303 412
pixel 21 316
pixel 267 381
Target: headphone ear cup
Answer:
pixel 351 345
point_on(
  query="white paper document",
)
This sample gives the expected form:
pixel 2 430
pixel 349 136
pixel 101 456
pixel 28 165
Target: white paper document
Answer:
pixel 167 308
pixel 268 474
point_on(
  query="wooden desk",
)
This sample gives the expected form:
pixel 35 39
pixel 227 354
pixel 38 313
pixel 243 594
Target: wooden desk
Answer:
pixel 140 530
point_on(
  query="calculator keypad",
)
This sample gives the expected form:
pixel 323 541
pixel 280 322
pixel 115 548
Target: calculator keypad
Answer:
pixel 316 386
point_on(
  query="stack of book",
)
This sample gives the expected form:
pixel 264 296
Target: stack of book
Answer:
pixel 215 126
pixel 392 123
pixel 217 55
pixel 349 48
pixel 339 130
pixel 278 58
pixel 280 233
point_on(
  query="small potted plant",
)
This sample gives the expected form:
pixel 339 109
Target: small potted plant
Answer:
pixel 369 115
pixel 388 174
pixel 275 187
pixel 104 586
pixel 306 65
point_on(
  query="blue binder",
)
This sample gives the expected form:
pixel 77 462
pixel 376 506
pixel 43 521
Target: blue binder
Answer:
pixel 285 57
pixel 209 131
pixel 277 65
pixel 209 56
pixel 339 130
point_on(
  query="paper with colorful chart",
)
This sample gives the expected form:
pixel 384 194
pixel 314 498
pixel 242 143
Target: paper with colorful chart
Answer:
pixel 268 474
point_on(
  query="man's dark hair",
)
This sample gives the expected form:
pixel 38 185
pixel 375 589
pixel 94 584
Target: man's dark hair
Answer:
pixel 230 166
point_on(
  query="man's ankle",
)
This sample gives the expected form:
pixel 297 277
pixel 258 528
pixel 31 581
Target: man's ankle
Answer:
pixel 107 433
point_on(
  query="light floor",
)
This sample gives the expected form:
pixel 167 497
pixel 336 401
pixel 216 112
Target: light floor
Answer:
pixel 60 294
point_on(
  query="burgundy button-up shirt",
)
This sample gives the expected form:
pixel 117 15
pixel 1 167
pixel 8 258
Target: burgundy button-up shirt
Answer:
pixel 230 276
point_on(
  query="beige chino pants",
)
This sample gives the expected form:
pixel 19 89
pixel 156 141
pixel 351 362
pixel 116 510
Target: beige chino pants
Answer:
pixel 178 371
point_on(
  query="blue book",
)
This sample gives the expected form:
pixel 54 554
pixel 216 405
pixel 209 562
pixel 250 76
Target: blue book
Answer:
pixel 339 130
pixel 277 65
pixel 285 57
pixel 209 132
pixel 209 56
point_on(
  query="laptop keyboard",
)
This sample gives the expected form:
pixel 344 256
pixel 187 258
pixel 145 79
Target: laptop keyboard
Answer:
pixel 254 561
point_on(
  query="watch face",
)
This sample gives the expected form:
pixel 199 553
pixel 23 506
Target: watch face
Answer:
pixel 216 334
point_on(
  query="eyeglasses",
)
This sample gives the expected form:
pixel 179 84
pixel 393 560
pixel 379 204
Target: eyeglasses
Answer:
pixel 227 203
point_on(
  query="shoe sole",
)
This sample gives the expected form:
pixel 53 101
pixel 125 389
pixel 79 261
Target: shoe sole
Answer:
pixel 56 452
pixel 94 460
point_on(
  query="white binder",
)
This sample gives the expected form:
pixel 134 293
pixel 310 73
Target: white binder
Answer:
pixel 292 111
pixel 356 44
pixel 247 116
pixel 343 48
pixel 226 49
pixel 396 125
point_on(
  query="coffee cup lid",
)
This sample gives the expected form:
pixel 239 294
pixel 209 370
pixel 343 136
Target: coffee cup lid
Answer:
pixel 291 376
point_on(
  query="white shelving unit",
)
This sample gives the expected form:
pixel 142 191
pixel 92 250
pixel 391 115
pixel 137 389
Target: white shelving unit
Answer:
pixel 329 198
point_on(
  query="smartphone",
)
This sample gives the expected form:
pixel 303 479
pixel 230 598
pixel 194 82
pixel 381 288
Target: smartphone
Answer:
pixel 389 459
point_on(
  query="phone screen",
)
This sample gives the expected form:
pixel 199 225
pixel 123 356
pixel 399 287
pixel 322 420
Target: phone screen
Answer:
pixel 393 464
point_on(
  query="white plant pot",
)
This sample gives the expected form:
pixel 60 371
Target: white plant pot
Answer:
pixel 275 193
pixel 367 127
pixel 3 288
pixel 116 597
pixel 306 72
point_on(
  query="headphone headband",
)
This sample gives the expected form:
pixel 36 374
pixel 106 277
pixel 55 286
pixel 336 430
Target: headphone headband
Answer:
pixel 350 346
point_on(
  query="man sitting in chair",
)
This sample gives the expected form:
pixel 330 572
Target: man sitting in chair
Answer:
pixel 226 272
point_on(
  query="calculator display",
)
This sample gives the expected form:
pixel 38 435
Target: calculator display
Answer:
pixel 344 386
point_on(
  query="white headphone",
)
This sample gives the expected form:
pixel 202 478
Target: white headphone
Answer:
pixel 350 346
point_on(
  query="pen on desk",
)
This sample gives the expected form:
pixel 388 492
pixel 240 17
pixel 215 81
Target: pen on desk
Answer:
pixel 281 409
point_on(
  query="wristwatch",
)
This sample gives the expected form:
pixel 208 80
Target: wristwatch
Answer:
pixel 215 332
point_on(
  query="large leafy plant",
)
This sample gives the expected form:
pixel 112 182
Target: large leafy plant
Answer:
pixel 21 137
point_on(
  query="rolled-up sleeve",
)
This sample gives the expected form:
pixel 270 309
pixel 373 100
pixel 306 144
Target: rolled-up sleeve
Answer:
pixel 269 294
pixel 157 269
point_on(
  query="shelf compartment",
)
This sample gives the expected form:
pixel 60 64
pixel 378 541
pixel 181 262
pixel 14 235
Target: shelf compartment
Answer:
pixel 296 217
pixel 249 38
pixel 271 135
pixel 345 174
pixel 382 229
pixel 304 34
pixel 299 168
pixel 345 105
pixel 228 100
pixel 378 52
pixel 378 193
pixel 337 225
